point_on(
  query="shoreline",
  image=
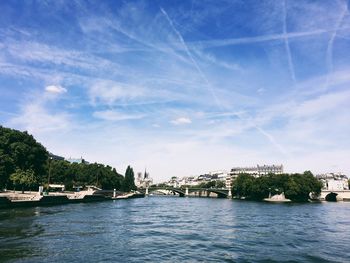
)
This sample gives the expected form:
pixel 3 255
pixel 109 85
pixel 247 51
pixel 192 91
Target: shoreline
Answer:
pixel 10 200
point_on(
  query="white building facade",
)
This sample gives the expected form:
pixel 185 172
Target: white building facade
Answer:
pixel 257 171
pixel 334 181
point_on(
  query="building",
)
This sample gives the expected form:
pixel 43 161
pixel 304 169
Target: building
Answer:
pixel 270 169
pixel 228 182
pixel 55 157
pixel 257 171
pixel 77 160
pixel 219 175
pixel 197 180
pixel 173 182
pixel 143 180
pixel 334 181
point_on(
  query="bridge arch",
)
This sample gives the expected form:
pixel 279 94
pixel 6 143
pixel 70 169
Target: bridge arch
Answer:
pixel 175 190
pixel 181 193
pixel 220 193
pixel 331 197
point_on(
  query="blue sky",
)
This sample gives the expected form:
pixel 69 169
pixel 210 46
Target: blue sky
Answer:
pixel 181 87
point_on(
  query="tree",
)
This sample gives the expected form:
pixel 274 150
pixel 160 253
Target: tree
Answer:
pixel 20 154
pixel 106 177
pixel 19 150
pixel 6 168
pixel 299 186
pixel 296 187
pixel 129 180
pixel 242 185
pixel 220 184
pixel 23 178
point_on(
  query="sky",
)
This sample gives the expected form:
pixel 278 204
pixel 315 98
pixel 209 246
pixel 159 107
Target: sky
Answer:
pixel 181 88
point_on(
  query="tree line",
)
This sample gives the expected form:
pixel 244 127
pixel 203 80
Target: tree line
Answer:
pixel 25 164
pixel 296 187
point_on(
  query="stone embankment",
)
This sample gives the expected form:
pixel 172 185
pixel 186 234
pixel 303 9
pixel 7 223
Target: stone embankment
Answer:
pixel 27 199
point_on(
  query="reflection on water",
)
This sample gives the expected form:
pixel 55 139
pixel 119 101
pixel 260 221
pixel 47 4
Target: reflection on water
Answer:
pixel 170 229
pixel 17 227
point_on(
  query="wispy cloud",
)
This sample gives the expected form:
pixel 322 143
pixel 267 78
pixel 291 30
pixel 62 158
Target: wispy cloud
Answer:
pixel 210 88
pixel 36 118
pixel 108 92
pixel 241 79
pixel 56 89
pixel 112 115
pixel 181 121
pixel 257 39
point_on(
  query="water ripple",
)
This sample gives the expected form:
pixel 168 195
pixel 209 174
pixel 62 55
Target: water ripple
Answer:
pixel 163 229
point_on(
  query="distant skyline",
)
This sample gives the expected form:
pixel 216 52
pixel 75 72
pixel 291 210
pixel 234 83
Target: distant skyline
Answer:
pixel 181 87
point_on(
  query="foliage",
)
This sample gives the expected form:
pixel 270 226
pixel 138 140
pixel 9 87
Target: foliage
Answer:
pixel 299 186
pixel 296 187
pixel 159 185
pixel 24 162
pixel 23 178
pixel 19 150
pixel 129 181
pixel 82 174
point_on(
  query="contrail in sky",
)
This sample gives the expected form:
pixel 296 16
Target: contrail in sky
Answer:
pixel 267 135
pixel 191 56
pixel 286 42
pixel 249 40
pixel 329 54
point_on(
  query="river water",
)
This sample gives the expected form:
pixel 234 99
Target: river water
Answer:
pixel 174 229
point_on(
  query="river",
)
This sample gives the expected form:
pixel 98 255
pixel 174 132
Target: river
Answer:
pixel 174 229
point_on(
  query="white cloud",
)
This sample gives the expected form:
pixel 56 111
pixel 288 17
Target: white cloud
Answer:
pixel 35 118
pixel 55 89
pixel 110 115
pixel 246 109
pixel 322 104
pixel 261 91
pixel 181 121
pixel 39 52
pixel 109 92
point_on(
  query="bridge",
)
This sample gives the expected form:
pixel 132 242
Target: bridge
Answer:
pixel 195 192
pixel 336 195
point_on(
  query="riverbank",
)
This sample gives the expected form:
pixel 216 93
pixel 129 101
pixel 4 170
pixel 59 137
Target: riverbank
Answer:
pixel 11 199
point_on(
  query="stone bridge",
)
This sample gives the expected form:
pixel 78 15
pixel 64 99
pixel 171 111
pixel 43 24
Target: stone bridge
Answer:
pixel 336 195
pixel 196 192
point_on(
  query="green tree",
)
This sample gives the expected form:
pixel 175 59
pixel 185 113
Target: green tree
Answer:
pixel 296 187
pixel 23 178
pixel 83 174
pixel 299 186
pixel 220 184
pixel 129 180
pixel 242 185
pixel 19 150
pixel 20 154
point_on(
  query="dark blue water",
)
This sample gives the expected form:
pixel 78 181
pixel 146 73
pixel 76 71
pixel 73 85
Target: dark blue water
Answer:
pixel 173 229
